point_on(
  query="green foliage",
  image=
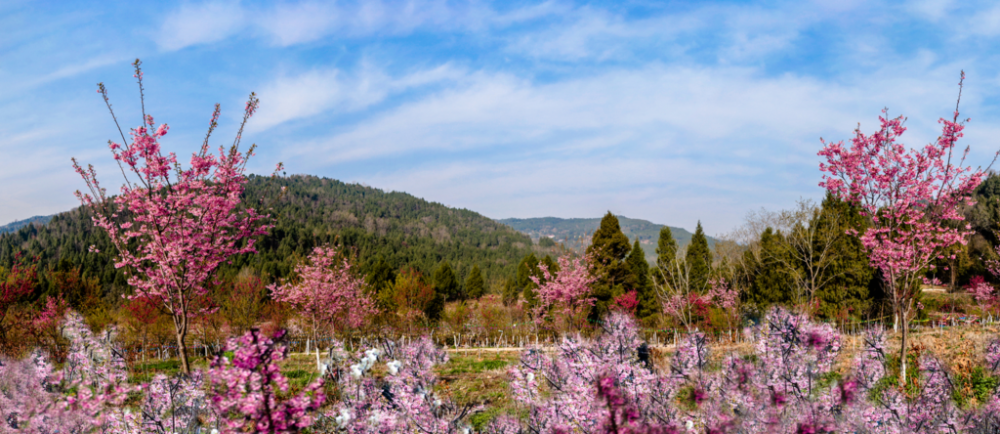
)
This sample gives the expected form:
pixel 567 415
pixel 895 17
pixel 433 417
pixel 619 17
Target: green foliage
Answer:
pixel 666 254
pixel 401 229
pixel 380 278
pixel 446 284
pixel 546 242
pixel 525 286
pixel 608 250
pixel 475 286
pixel 699 259
pixel 977 384
pixel 847 294
pixel 648 303
pixel 768 285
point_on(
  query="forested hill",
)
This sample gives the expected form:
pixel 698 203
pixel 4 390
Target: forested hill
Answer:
pixel 13 226
pixel 402 229
pixel 576 233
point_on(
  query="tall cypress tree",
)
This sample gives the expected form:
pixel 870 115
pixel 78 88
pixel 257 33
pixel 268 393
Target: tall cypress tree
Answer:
pixel 608 250
pixel 768 285
pixel 699 259
pixel 474 285
pixel 445 282
pixel 643 285
pixel 850 290
pixel 666 254
pixel 379 278
pixel 527 268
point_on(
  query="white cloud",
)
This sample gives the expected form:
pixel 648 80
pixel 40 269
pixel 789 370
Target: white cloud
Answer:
pixel 986 22
pixel 200 24
pixel 286 24
pixel 333 91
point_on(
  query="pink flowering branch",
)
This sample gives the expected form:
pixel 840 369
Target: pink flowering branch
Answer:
pixel 246 392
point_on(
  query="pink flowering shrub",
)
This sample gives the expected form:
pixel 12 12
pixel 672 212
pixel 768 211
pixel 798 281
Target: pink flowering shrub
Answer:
pixel 402 401
pixel 326 292
pixel 562 297
pixel 984 294
pixel 244 391
pixel 787 386
pixel 87 394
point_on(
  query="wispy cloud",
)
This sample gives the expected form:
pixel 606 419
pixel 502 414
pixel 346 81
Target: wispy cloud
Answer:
pixel 336 91
pixel 201 24
pixel 286 24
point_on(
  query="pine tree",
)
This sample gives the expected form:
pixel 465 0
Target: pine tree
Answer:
pixel 768 285
pixel 643 285
pixel 527 268
pixel 380 276
pixel 666 254
pixel 850 290
pixel 474 285
pixel 699 260
pixel 608 249
pixel 446 284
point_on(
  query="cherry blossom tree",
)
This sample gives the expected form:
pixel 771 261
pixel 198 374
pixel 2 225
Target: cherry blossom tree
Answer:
pixel 173 227
pixel 563 295
pixel 326 291
pixel 911 198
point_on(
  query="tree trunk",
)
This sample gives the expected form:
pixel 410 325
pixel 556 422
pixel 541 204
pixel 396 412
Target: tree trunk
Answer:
pixel 180 325
pixel 902 352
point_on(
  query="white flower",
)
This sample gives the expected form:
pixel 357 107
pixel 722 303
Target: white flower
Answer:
pixel 689 425
pixel 394 367
pixel 531 377
pixel 356 371
pixel 344 418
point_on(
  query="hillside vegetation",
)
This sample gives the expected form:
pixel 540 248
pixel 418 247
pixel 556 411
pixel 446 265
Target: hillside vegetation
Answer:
pixel 401 229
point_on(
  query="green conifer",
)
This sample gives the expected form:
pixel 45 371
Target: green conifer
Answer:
pixel 474 285
pixel 643 285
pixel 699 260
pixel 608 250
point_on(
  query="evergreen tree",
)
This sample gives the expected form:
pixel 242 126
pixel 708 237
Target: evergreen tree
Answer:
pixel 768 285
pixel 474 285
pixel 850 291
pixel 510 291
pixel 608 249
pixel 446 284
pixel 435 308
pixel 699 260
pixel 380 276
pixel 527 268
pixel 648 304
pixel 666 254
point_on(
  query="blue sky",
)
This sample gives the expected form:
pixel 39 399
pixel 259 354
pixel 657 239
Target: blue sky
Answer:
pixel 668 111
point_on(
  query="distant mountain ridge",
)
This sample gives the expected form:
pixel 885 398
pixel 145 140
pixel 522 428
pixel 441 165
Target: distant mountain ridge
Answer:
pixel 14 226
pixel 575 233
